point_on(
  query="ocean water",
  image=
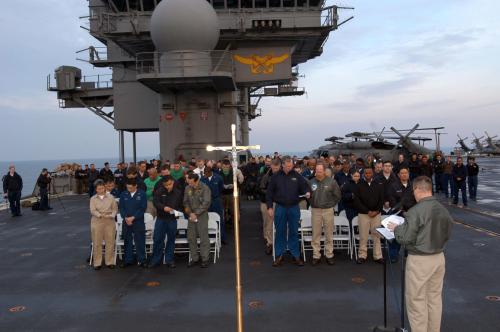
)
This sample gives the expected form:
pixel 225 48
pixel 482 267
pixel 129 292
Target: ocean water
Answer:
pixel 30 170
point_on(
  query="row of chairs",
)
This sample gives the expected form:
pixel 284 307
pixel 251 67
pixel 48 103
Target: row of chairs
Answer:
pixel 181 242
pixel 345 235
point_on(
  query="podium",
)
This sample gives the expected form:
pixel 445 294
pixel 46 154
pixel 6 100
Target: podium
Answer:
pixel 387 238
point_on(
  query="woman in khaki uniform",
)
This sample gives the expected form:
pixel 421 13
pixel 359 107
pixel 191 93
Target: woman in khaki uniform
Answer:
pixel 103 209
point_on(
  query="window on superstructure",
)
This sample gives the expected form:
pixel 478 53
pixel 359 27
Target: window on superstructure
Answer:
pixel 260 3
pixel 301 3
pixel 314 3
pixel 134 4
pixel 232 3
pixel 274 3
pixel 149 5
pixel 288 3
pixel 246 4
pixel 120 5
pixel 218 4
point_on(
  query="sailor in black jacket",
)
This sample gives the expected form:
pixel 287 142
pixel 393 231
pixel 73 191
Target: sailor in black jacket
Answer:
pixel 12 188
pixel 401 198
pixel 386 178
pixel 414 165
pixel 400 193
pixel 459 175
pixel 349 191
pixel 285 189
pixel 369 201
pixel 472 176
pixel 167 199
pixel 43 183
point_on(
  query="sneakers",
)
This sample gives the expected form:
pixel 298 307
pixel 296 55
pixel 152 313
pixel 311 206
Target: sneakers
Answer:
pixel 330 261
pixel 204 264
pixel 316 261
pixel 361 260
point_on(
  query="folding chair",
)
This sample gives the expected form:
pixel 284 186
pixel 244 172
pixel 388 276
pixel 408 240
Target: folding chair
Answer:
pixel 181 242
pixel 92 251
pixel 305 232
pixel 274 241
pixel 214 234
pixel 215 216
pixel 342 235
pixel 149 222
pixel 119 241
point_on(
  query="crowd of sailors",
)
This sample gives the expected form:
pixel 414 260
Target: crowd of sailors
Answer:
pixel 361 187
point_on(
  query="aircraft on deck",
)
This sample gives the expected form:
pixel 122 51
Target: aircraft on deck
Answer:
pixel 465 148
pixel 378 144
pixel 482 146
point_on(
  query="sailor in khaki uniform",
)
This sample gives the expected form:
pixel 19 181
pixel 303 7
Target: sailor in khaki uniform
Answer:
pixel 197 199
pixel 425 232
pixel 325 195
pixel 103 209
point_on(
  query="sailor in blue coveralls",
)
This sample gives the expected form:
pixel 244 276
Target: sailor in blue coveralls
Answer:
pixel 216 184
pixel 132 207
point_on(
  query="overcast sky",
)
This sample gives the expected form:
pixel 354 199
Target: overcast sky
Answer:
pixel 397 63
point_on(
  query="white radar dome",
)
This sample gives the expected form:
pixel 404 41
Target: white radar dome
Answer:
pixel 182 25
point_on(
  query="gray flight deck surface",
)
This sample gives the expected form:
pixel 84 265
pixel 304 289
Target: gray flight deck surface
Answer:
pixel 46 282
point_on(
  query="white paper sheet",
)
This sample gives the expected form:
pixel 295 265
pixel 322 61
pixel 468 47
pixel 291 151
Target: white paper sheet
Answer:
pixel 176 213
pixel 386 233
pixel 393 219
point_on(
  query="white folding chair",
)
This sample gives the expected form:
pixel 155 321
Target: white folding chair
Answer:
pixel 305 232
pixel 214 234
pixel 149 222
pixel 215 216
pixel 274 241
pixel 119 241
pixel 181 242
pixel 342 214
pixel 342 235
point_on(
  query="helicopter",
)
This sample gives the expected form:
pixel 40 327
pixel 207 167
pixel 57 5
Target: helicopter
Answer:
pixel 495 148
pixel 477 143
pixel 376 144
pixel 487 147
pixel 461 142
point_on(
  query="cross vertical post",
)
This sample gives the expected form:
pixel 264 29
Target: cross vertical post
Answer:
pixel 234 149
